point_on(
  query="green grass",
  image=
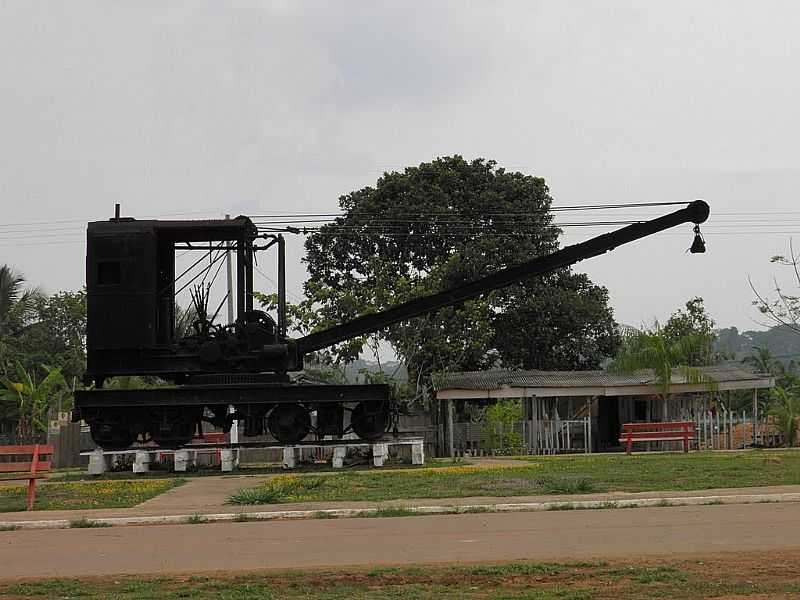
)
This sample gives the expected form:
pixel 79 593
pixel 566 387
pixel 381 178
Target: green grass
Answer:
pixel 543 475
pixel 520 580
pixel 69 475
pixel 86 495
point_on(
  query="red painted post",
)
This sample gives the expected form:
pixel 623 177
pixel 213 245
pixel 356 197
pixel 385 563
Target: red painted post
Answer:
pixel 32 480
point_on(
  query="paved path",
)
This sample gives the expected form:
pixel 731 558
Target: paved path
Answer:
pixel 563 535
pixel 200 494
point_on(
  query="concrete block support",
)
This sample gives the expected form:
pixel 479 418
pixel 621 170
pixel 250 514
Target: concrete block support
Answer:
pixel 226 459
pixel 339 453
pixel 98 462
pixel 418 453
pixel 181 460
pixel 141 462
pixel 380 452
pixel 290 457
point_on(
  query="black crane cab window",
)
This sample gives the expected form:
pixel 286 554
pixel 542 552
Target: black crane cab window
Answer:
pixel 109 273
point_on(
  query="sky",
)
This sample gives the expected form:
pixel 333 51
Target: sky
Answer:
pixel 198 109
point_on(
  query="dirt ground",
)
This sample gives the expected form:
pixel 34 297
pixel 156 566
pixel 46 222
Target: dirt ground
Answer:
pixel 615 534
pixel 728 575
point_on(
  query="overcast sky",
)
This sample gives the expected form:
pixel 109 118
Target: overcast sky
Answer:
pixel 205 108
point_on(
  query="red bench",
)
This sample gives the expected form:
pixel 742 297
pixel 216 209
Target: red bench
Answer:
pixel 26 462
pixel 681 431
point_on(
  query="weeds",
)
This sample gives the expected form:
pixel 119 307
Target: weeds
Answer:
pixel 195 519
pixel 580 485
pixel 284 488
pixel 84 523
pixel 392 511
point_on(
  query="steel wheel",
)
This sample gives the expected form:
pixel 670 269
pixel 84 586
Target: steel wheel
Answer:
pixel 289 423
pixel 370 420
pixel 111 436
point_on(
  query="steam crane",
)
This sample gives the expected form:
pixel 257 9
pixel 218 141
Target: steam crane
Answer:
pixel 132 284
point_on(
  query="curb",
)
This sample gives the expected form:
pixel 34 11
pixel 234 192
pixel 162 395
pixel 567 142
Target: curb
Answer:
pixel 339 513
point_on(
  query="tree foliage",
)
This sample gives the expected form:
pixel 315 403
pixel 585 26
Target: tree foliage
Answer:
pixel 56 335
pixel 654 350
pixel 763 361
pixel 783 307
pixel 682 346
pixel 32 397
pixel 42 346
pixel 498 424
pixel 785 408
pixel 16 310
pixel 693 321
pixel 439 225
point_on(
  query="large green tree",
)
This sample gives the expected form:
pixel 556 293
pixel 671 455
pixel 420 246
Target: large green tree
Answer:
pixel 693 321
pixel 57 335
pixel 442 224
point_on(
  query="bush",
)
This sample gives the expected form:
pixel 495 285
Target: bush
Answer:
pixel 498 424
pixel 786 410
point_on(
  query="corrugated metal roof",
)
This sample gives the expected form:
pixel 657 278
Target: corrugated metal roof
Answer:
pixel 499 378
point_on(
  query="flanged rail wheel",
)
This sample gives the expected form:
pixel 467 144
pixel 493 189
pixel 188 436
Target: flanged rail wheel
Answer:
pixel 111 436
pixel 172 428
pixel 370 420
pixel 289 423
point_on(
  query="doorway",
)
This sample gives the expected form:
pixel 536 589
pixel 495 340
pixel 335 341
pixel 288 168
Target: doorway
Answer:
pixel 608 424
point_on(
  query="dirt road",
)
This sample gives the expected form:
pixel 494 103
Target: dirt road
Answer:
pixel 561 535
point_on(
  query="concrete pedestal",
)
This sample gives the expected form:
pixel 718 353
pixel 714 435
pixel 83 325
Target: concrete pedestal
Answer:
pixel 339 453
pixel 289 458
pixel 418 454
pixel 98 462
pixel 181 461
pixel 380 452
pixel 226 459
pixel 141 462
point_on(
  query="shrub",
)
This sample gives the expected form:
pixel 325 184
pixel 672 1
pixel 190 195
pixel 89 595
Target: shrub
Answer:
pixel 498 424
pixel 786 410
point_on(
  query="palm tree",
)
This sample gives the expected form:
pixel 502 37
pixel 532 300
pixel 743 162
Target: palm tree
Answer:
pixel 16 305
pixel 786 410
pixel 643 350
pixel 763 361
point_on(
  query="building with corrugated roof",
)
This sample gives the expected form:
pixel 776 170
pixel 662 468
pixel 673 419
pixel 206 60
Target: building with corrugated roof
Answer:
pixel 567 411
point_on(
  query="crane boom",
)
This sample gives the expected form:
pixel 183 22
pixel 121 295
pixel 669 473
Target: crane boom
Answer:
pixel 695 212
